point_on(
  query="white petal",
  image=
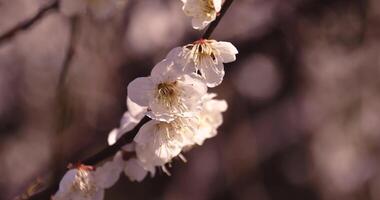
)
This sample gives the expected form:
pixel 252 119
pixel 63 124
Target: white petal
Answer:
pixel 99 195
pixel 216 105
pixel 199 23
pixel 108 173
pixel 198 86
pixel 165 71
pixel 67 180
pixel 212 72
pixel 176 55
pixel 146 132
pixel 135 109
pixel 160 113
pixel 113 136
pixel 140 90
pixel 134 170
pixel 128 122
pixel 227 51
pixel 217 5
pixel 157 146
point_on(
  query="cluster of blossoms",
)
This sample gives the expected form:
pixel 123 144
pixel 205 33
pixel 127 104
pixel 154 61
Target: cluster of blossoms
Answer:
pixel 174 96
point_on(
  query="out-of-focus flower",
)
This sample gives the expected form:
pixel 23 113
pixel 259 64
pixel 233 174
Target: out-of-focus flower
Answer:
pixel 100 9
pixel 203 12
pixel 210 118
pixel 137 171
pixel 129 121
pixel 205 56
pixel 85 183
pixel 167 93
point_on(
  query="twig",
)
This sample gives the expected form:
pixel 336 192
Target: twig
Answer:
pixel 96 158
pixel 128 137
pixel 28 23
pixel 214 24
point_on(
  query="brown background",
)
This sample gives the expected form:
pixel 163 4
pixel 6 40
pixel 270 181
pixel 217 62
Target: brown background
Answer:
pixel 304 98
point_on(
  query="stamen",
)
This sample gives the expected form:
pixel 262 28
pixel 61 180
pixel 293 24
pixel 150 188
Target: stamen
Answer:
pixel 83 182
pixel 182 157
pixel 165 170
pixel 168 94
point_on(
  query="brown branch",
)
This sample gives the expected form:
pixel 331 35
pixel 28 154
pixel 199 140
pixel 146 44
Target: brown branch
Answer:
pixel 214 24
pixel 28 23
pixel 128 137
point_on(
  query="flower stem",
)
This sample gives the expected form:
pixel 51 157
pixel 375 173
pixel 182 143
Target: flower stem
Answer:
pixel 210 29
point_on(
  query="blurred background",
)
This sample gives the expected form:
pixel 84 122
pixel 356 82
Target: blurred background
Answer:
pixel 304 97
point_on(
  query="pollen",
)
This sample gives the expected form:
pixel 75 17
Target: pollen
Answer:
pixel 201 49
pixel 168 94
pixel 208 7
pixel 83 182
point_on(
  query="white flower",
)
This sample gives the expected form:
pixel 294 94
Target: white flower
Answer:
pixel 166 93
pixel 210 118
pixel 205 56
pixel 129 121
pixel 137 171
pixel 86 183
pixel 202 11
pixel 158 142
pixel 100 9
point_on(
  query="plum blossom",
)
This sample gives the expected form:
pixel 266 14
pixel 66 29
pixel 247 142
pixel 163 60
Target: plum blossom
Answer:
pixel 205 56
pixel 210 118
pixel 100 9
pixel 157 143
pixel 203 12
pixel 129 121
pixel 167 93
pixel 137 171
pixel 87 183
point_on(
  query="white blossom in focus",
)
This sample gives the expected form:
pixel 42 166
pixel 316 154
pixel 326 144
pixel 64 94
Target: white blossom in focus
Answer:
pixel 167 93
pixel 203 12
pixel 205 56
pixel 157 143
pixel 100 9
pixel 85 183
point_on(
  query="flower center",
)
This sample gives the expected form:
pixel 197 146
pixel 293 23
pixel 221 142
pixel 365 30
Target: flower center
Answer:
pixel 201 49
pixel 208 6
pixel 83 182
pixel 168 94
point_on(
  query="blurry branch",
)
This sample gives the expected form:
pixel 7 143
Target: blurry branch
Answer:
pixel 63 108
pixel 214 24
pixel 126 138
pixel 29 22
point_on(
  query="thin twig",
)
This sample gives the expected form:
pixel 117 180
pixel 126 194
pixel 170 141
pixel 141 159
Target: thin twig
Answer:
pixel 95 159
pixel 28 23
pixel 214 24
pixel 128 137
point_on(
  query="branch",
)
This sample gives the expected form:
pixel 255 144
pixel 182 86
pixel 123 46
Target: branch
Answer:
pixel 214 24
pixel 128 137
pixel 95 159
pixel 28 23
